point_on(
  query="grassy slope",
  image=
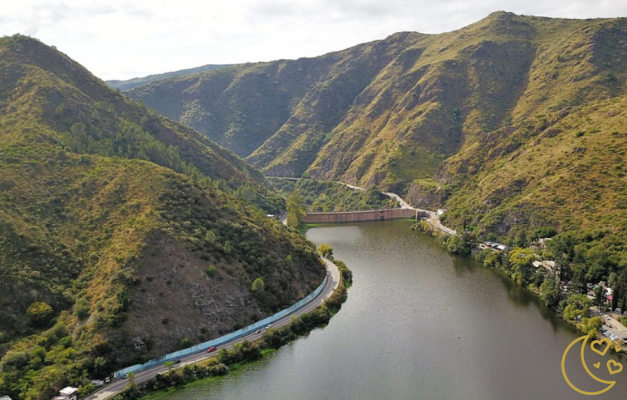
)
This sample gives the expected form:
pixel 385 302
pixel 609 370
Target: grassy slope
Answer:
pixel 333 196
pixel 135 82
pixel 483 120
pixel 559 160
pixel 117 245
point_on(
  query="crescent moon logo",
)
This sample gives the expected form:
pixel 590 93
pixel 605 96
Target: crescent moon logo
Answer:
pixel 583 362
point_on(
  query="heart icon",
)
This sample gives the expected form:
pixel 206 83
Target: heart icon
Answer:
pixel 597 365
pixel 617 370
pixel 607 346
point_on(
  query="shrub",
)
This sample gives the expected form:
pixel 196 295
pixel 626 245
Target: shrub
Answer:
pixel 40 314
pixel 212 270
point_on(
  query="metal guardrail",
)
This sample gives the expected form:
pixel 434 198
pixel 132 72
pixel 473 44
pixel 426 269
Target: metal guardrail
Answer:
pixel 221 340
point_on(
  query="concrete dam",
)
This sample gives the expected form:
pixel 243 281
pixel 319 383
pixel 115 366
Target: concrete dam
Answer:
pixel 369 215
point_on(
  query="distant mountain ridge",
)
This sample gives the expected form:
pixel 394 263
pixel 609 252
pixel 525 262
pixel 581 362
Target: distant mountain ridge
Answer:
pixel 443 118
pixel 128 84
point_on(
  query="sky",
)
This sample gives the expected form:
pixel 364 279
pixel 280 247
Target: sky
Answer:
pixel 123 39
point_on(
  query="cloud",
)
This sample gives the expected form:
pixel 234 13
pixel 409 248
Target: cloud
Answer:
pixel 115 38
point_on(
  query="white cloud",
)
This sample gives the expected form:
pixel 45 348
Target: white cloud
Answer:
pixel 126 38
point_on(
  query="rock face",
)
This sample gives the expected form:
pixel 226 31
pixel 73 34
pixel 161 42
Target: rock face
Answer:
pixel 427 195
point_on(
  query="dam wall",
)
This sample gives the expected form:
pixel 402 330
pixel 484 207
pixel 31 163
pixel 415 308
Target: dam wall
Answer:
pixel 369 215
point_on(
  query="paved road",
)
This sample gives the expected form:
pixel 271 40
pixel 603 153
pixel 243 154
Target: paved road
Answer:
pixel 117 386
pixel 400 200
pixel 434 219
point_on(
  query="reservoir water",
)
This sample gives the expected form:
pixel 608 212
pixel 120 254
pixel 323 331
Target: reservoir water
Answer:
pixel 421 323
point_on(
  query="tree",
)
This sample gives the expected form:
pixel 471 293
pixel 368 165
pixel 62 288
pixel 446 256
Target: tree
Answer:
pixel 212 270
pixel 521 262
pixel 131 387
pixel 577 306
pixel 296 210
pixel 258 286
pixel 590 326
pixel 169 365
pixel 40 313
pixel 550 289
pixel 598 295
pixel 544 232
pixel 210 236
pixel 522 240
pixel 325 250
pixel 457 245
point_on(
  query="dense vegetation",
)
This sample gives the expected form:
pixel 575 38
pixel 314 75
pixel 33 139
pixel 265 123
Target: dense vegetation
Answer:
pixel 333 196
pixel 123 235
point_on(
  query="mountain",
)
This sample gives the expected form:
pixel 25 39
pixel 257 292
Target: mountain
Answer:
pixel 124 235
pixel 511 123
pixel 133 83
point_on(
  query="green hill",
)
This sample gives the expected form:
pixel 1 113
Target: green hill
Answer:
pixel 121 238
pixel 497 121
pixel 133 83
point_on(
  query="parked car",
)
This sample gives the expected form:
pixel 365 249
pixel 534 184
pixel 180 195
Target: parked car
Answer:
pixel 211 349
pixel 258 331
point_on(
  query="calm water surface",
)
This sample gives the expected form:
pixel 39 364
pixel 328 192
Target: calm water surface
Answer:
pixel 420 323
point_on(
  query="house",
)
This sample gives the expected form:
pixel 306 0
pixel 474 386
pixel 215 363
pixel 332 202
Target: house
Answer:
pixel 68 393
pixel 548 265
pixel 609 299
pixel 493 246
pixel 5 398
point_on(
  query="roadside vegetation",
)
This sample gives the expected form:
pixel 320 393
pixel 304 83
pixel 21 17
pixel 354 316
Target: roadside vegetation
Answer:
pixel 332 196
pixel 246 351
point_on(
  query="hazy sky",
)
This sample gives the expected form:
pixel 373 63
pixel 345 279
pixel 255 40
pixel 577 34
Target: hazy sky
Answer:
pixel 121 39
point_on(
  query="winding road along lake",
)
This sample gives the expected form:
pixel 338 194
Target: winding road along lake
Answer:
pixel 420 323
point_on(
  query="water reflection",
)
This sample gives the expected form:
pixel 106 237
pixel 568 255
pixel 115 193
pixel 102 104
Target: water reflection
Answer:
pixel 418 324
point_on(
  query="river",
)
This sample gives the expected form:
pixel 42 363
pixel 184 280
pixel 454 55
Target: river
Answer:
pixel 420 323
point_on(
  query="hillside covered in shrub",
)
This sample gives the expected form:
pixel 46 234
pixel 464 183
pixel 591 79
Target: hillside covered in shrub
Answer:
pixel 123 235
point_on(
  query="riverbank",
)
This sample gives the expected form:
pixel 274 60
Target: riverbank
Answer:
pixel 248 351
pixel 382 344
pixel 574 309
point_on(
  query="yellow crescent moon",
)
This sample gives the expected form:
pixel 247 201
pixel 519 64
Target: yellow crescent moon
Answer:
pixel 583 361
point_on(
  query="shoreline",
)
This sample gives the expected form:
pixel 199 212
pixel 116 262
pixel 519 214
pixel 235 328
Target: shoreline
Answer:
pixel 221 363
pixel 534 290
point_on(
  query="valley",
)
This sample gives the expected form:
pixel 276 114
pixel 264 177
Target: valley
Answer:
pixel 140 218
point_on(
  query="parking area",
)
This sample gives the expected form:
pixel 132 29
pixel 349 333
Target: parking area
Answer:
pixel 613 329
